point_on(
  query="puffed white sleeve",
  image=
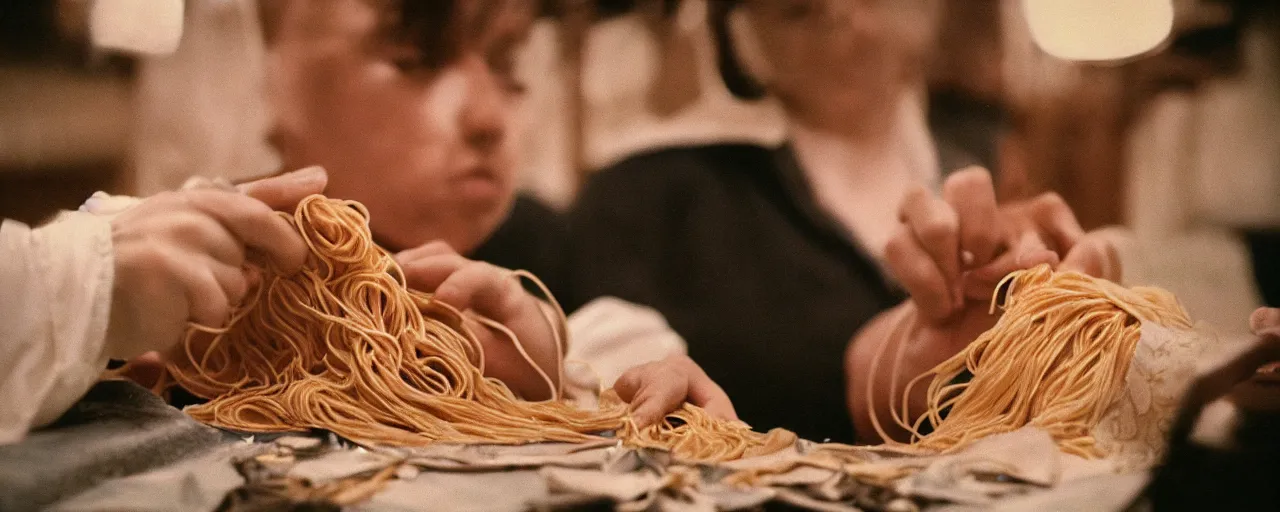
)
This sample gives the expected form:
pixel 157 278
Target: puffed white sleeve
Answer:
pixel 55 300
pixel 609 336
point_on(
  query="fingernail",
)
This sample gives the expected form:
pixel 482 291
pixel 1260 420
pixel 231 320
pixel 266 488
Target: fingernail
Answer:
pixel 309 175
pixel 1264 318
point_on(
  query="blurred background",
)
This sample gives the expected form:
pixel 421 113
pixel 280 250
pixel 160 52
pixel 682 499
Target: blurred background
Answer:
pixel 1177 140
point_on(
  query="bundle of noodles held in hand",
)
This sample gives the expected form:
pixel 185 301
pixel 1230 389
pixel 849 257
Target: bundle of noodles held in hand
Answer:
pixel 1059 359
pixel 345 345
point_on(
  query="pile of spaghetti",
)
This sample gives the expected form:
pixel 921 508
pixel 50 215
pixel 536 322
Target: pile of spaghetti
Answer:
pixel 1057 359
pixel 345 345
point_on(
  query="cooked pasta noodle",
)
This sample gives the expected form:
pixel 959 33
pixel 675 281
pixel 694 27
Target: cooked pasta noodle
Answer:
pixel 1056 359
pixel 345 345
pixel 697 435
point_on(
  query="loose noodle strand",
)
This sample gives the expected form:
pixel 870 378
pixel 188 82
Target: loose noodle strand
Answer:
pixel 1056 359
pixel 345 345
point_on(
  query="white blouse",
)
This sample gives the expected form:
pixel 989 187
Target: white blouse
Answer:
pixel 862 187
pixel 55 299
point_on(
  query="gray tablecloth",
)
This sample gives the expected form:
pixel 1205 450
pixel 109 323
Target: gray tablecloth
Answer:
pixel 121 448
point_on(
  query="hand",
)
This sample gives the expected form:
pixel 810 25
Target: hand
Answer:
pixel 659 388
pixel 179 257
pixel 494 293
pixel 955 249
pixel 950 253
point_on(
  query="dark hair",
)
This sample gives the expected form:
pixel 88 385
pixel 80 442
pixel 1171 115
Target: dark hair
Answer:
pixel 433 27
pixel 436 29
pixel 736 79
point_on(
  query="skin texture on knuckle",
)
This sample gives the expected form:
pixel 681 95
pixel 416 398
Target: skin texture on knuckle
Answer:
pixel 177 265
pixel 1264 319
pixel 152 260
pixel 150 272
pixel 986 238
pixel 450 293
pixel 967 180
pixel 210 306
pixel 897 250
pixel 1105 256
pixel 1052 202
pixel 248 214
pixel 191 229
pixel 251 211
pixel 938 230
pixel 238 288
pixel 439 247
pixel 628 383
pixel 167 199
pixel 512 297
pixel 915 196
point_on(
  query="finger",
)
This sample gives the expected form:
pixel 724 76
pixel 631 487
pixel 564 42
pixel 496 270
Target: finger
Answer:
pixel 428 273
pixel 936 228
pixel 1055 219
pixel 661 393
pixel 919 274
pixel 233 280
pixel 628 384
pixel 705 393
pixel 255 224
pixel 1263 319
pixel 145 370
pixel 207 304
pixel 1031 250
pixel 1093 256
pixel 1028 251
pixel 152 357
pixel 283 192
pixel 971 193
pixel 485 289
pixel 210 305
pixel 205 234
pixel 427 250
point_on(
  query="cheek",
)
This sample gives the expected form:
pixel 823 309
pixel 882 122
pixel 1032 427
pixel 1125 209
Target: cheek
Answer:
pixel 441 105
pixel 382 105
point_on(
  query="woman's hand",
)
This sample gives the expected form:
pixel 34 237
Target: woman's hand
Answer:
pixel 950 253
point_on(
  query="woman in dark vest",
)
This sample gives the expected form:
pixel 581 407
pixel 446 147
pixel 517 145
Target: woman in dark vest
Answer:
pixel 769 260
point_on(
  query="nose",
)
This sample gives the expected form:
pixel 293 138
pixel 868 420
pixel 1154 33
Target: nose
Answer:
pixel 484 117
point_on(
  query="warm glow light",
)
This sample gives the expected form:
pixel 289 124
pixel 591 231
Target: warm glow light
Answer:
pixel 152 27
pixel 1098 30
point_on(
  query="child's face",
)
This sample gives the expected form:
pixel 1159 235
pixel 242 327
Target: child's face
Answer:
pixel 416 128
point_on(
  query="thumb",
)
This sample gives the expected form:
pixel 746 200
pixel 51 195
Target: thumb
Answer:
pixel 283 192
pixel 1094 256
pixel 1264 319
pixel 708 395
